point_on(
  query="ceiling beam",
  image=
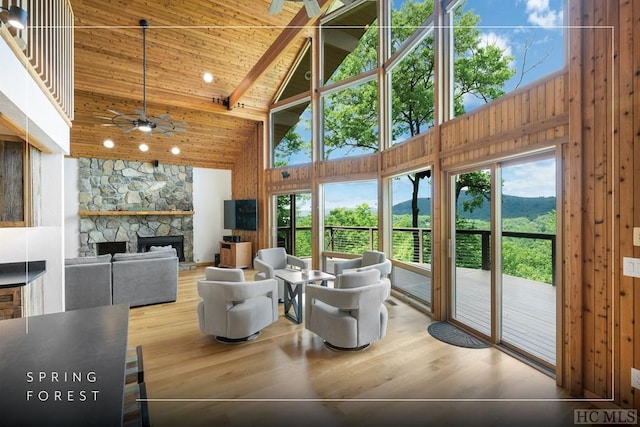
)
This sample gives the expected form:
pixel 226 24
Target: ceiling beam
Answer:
pixel 298 24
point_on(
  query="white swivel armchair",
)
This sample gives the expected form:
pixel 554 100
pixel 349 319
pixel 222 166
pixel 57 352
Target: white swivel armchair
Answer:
pixel 368 260
pixel 268 261
pixel 351 315
pixel 234 310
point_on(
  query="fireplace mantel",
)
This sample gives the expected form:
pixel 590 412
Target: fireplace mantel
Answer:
pixel 132 213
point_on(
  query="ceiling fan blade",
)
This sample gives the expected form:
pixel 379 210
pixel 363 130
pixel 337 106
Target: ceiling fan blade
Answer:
pixel 141 113
pixel 165 116
pixel 129 130
pixel 276 6
pixel 180 130
pixel 313 8
pixel 103 117
pixel 179 123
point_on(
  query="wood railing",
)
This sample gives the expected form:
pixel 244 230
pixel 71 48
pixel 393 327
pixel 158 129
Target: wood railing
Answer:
pixel 49 48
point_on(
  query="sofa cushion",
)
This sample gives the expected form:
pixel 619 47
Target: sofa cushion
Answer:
pixel 88 260
pixel 372 257
pixel 160 248
pixel 224 274
pixel 143 255
pixel 275 257
pixel 357 278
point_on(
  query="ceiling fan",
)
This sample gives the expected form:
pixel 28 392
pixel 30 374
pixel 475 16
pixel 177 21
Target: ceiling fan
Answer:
pixel 312 6
pixel 140 120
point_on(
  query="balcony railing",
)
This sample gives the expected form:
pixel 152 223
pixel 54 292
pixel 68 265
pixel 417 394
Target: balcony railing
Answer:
pixel 413 245
pixel 48 46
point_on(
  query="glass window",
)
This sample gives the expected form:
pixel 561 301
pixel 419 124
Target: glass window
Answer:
pixel 350 125
pixel 291 135
pixel 350 43
pixel 407 17
pixel 499 49
pixel 299 80
pixel 350 216
pixel 411 212
pixel 412 92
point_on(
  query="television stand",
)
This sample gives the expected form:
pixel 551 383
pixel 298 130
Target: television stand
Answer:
pixel 235 255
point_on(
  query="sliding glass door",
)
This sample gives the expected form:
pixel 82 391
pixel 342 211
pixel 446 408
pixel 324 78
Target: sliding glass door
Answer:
pixel 503 239
pixel 528 291
pixel 471 260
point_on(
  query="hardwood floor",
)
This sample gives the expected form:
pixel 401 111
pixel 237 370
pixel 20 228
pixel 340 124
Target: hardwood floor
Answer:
pixel 288 376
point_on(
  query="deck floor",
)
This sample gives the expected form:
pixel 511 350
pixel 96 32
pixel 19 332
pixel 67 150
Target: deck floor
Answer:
pixel 528 307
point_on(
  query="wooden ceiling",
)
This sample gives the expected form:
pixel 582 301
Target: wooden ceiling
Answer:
pixel 248 51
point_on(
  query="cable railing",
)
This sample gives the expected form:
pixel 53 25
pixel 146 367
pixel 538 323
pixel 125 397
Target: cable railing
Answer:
pixel 537 251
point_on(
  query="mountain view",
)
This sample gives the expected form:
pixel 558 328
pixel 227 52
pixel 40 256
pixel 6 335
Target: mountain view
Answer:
pixel 512 207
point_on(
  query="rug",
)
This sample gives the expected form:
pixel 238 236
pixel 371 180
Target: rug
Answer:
pixel 450 334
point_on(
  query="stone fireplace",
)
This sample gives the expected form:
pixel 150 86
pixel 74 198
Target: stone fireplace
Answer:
pixel 122 201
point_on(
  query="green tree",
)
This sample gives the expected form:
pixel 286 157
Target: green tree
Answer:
pixel 477 185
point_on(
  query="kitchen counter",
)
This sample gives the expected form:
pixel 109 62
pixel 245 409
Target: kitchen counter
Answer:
pixel 14 274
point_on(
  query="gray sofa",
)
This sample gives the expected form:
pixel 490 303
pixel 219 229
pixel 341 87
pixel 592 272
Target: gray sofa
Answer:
pixel 126 278
pixel 87 282
pixel 145 278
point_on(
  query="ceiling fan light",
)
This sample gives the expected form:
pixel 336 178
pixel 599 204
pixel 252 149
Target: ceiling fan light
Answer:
pixel 143 147
pixel 107 143
pixel 145 127
pixel 175 151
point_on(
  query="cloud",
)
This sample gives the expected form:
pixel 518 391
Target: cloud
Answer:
pixel 493 39
pixel 539 13
pixel 533 179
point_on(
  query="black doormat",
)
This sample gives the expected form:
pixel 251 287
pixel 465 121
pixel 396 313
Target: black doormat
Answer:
pixel 453 335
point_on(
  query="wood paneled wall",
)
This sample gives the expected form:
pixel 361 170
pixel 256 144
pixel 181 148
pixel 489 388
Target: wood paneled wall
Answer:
pixel 603 160
pixel 534 115
pixel 245 177
pixel 592 111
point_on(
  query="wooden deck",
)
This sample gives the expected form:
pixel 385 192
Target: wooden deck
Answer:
pixel 529 307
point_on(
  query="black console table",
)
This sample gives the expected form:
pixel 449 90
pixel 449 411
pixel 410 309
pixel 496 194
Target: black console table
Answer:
pixel 64 368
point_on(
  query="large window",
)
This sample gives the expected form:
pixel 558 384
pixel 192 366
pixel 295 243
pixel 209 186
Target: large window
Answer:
pixel 350 43
pixel 350 216
pixel 407 17
pixel 412 92
pixel 499 49
pixel 291 135
pixel 350 125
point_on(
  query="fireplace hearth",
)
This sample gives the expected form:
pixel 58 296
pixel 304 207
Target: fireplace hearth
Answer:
pixel 177 242
pixel 103 248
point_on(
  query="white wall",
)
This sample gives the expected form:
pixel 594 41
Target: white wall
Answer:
pixel 71 218
pixel 211 187
pixel 23 102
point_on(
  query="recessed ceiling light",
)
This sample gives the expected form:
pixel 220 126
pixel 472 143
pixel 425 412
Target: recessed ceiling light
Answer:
pixel 143 147
pixel 175 150
pixel 108 143
pixel 207 77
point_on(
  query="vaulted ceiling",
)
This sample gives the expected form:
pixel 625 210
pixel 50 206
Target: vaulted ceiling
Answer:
pixel 248 51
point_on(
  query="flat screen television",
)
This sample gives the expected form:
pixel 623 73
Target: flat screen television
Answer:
pixel 241 214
